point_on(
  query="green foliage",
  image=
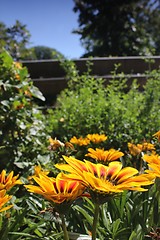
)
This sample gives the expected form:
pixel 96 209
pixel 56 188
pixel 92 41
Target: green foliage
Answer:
pixel 118 28
pixel 23 144
pixel 82 104
pixel 27 221
pixel 125 217
pixel 122 113
pixel 43 52
pixel 15 40
pixel 86 106
pixel 23 136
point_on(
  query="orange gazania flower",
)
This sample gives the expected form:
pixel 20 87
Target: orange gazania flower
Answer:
pixel 137 149
pixel 4 198
pixel 104 155
pixel 157 135
pixel 7 182
pixel 97 138
pixel 56 190
pixel 69 145
pixel 55 144
pixel 145 146
pixel 80 141
pixel 133 149
pixel 104 180
pixel 153 163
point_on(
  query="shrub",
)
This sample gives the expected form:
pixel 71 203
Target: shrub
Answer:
pixel 89 106
pixel 23 134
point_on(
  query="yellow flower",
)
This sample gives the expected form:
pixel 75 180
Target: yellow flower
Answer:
pixel 145 146
pixel 154 158
pixel 3 200
pixel 69 145
pixel 157 135
pixel 55 144
pixel 38 170
pixel 133 149
pixel 17 65
pixel 56 190
pixel 97 138
pixel 153 163
pixel 137 149
pixel 7 182
pixel 102 155
pixel 104 180
pixel 80 141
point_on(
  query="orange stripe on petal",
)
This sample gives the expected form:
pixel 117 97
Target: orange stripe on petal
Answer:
pixel 72 186
pixel 61 185
pixel 140 180
pixel 113 169
pixel 103 171
pixel 125 173
pixel 92 168
pixel 75 163
pixel 10 176
pixel 92 181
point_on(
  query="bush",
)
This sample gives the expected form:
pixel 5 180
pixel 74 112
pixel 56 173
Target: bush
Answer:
pixel 88 106
pixel 23 136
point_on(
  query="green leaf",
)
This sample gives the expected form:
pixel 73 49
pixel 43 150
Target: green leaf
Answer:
pixel 115 226
pixel 36 93
pixel 5 103
pixel 7 59
pixel 24 234
pixel 85 214
pixel 133 236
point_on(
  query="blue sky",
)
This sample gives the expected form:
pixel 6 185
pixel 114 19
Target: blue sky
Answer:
pixel 50 23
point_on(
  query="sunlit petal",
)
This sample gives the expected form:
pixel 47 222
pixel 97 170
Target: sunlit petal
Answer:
pixel 125 173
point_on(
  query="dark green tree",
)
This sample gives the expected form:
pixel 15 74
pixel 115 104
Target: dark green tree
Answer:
pixel 119 27
pixel 15 40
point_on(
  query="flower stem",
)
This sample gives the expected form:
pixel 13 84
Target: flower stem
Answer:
pixel 65 233
pixel 95 221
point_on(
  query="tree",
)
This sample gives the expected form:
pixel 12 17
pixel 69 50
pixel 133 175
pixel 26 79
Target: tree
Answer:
pixel 119 27
pixel 15 39
pixel 43 52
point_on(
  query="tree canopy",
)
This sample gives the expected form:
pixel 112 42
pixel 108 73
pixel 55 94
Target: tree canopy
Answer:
pixel 15 39
pixel 119 27
pixel 44 52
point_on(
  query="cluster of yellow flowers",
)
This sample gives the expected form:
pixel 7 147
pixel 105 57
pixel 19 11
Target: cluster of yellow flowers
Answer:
pixel 100 179
pixel 94 138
